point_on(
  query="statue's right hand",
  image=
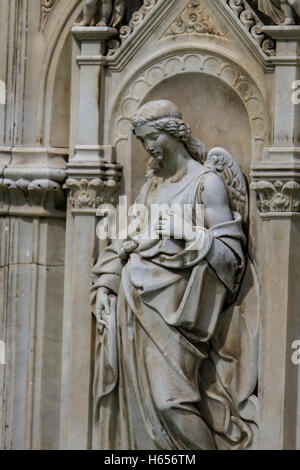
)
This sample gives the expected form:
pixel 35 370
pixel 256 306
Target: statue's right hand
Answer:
pixel 102 303
pixel 105 305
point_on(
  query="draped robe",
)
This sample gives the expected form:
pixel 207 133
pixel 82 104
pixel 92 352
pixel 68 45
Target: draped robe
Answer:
pixel 271 8
pixel 170 297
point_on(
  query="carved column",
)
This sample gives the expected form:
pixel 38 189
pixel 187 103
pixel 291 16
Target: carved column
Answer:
pixel 277 184
pixel 93 178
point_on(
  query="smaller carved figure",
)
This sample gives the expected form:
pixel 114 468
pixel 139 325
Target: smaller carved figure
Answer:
pixel 280 11
pixel 103 12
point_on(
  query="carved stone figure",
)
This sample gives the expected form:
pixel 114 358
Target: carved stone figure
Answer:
pixel 280 11
pixel 106 11
pixel 161 293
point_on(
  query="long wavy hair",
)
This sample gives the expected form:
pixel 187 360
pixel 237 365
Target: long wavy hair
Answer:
pixel 166 116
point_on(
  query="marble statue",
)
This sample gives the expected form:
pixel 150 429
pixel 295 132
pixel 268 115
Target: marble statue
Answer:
pixel 108 12
pixel 160 296
pixel 280 11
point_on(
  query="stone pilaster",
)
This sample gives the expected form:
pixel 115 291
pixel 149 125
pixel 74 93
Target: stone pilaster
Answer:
pixel 277 184
pixel 93 179
pixel 32 240
pixel 32 243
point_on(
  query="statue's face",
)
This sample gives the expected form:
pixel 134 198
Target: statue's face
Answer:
pixel 157 143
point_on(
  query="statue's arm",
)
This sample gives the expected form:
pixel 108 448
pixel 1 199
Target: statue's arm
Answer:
pixel 108 269
pixel 216 201
pixel 107 278
pixel 226 253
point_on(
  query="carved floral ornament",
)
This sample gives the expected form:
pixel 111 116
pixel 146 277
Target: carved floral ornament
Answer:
pixel 194 19
pixel 86 194
pixel 91 193
pixel 277 196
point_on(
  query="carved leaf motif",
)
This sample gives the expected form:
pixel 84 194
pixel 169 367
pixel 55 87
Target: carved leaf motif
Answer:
pixel 86 194
pixel 46 8
pixel 43 185
pixel 73 184
pixel 194 19
pixel 80 196
pixel 9 184
pixel 277 196
pixel 23 184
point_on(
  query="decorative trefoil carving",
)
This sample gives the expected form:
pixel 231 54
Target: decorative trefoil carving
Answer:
pixel 194 19
pixel 247 16
pixel 46 8
pixel 277 196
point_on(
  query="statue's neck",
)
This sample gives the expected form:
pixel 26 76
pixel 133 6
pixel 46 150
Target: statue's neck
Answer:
pixel 174 164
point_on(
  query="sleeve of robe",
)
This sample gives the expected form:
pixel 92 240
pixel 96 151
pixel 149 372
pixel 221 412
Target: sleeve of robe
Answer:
pixel 272 9
pixel 107 271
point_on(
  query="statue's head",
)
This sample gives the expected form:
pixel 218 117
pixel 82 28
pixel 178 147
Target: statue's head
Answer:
pixel 159 127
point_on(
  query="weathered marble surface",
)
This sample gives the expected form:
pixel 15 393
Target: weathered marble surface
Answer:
pixel 160 300
pixel 65 137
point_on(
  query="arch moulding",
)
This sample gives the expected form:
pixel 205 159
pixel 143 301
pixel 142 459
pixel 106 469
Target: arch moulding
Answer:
pixel 192 60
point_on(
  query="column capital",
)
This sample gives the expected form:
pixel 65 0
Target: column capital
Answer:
pixel 93 41
pixel 92 185
pixel 93 33
pixel 287 44
pixel 31 182
pixel 277 187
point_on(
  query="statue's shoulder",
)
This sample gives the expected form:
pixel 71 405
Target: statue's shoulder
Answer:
pixel 210 180
pixel 211 188
pixel 201 173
